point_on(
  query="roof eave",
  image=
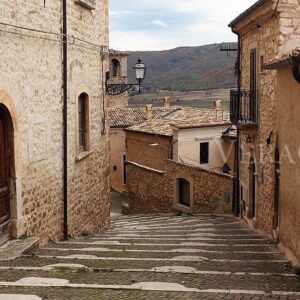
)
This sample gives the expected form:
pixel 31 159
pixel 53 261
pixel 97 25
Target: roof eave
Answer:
pixel 149 133
pixel 247 12
pixel 291 61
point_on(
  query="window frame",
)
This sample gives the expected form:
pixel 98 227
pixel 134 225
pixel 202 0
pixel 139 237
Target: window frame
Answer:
pixel 83 126
pixel 203 161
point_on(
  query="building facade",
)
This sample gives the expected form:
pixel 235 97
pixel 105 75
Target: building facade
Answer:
pixel 175 163
pixel 35 184
pixel 266 30
pixel 120 119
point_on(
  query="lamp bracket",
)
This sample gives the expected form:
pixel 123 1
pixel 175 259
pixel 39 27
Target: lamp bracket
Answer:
pixel 117 89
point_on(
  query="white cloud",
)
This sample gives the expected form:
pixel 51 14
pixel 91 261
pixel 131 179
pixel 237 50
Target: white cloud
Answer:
pixel 159 23
pixel 183 23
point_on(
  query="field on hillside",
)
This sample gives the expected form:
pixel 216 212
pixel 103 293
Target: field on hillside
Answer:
pixel 203 99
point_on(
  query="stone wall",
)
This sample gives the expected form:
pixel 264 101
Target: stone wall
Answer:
pixel 288 128
pixel 149 190
pixel 211 192
pixel 276 34
pixel 266 41
pixel 155 191
pixel 31 88
pixel 139 149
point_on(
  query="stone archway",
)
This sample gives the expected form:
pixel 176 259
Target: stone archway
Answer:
pixel 7 173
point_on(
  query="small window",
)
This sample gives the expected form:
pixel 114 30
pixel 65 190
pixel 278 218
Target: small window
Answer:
pixel 204 153
pixel 262 61
pixel 83 122
pixel 115 68
pixel 124 169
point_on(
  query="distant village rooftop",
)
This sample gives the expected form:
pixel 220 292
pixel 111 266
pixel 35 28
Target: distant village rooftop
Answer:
pixel 125 117
pixel 183 118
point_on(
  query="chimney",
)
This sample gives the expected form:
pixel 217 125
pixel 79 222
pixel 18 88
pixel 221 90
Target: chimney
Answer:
pixel 218 108
pixel 149 111
pixel 218 104
pixel 167 102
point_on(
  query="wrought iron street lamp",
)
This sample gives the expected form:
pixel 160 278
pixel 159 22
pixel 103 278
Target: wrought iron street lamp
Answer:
pixel 119 88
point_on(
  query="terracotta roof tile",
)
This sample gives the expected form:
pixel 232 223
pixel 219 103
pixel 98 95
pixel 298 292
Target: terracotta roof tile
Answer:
pixel 125 117
pixel 186 117
pixel 280 60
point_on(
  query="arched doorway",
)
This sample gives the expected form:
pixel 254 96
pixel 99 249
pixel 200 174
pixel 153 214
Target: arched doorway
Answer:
pixel 6 172
pixel 252 189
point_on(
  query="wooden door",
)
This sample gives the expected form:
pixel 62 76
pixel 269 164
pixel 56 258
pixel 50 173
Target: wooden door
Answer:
pixel 184 192
pixel 4 183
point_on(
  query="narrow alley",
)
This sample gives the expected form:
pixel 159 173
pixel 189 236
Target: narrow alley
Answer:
pixel 156 257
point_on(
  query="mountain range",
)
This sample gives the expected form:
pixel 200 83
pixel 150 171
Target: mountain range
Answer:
pixel 186 68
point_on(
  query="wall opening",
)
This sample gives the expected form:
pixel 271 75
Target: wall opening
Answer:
pixel 184 194
pixel 252 189
pixel 115 68
pixel 83 122
pixel 7 174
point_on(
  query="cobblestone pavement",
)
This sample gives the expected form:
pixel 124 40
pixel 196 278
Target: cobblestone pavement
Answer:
pixel 156 257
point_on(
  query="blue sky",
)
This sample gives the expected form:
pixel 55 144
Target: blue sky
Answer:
pixel 162 24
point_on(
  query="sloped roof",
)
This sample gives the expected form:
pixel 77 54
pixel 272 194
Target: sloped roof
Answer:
pixel 252 8
pixel 125 117
pixel 186 117
pixel 290 58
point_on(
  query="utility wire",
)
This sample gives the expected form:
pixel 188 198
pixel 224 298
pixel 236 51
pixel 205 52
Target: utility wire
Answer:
pixel 54 34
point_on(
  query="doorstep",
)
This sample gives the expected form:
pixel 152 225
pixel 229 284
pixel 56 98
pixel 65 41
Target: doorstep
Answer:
pixel 16 248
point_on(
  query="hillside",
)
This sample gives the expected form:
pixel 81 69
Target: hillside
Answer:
pixel 186 68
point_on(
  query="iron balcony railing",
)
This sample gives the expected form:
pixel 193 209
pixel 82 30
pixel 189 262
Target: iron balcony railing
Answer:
pixel 243 107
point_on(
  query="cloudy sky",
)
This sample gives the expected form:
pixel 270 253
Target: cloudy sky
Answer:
pixel 166 24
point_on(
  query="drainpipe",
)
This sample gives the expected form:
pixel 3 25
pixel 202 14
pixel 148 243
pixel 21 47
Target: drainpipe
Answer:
pixel 236 182
pixel 65 120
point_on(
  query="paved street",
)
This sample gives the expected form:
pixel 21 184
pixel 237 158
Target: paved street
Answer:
pixel 156 257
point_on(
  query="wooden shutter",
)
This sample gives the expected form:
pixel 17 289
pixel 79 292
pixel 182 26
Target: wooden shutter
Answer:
pixel 253 86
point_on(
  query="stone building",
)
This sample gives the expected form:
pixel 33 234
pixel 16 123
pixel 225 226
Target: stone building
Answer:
pixel 190 135
pixel 42 70
pixel 261 108
pixel 118 74
pixel 175 163
pixel 120 119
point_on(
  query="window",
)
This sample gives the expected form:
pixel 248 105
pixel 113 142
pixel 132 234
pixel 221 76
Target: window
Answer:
pixel 115 68
pixel 124 170
pixel 261 63
pixel 204 153
pixel 83 122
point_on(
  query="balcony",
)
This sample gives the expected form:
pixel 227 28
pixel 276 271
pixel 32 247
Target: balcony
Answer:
pixel 243 108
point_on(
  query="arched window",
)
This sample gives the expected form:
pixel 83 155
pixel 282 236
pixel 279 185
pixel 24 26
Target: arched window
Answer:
pixel 115 68
pixel 83 122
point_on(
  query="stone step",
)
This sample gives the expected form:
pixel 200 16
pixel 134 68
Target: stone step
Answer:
pixel 233 266
pixel 81 276
pixel 15 248
pixel 165 247
pixel 170 254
